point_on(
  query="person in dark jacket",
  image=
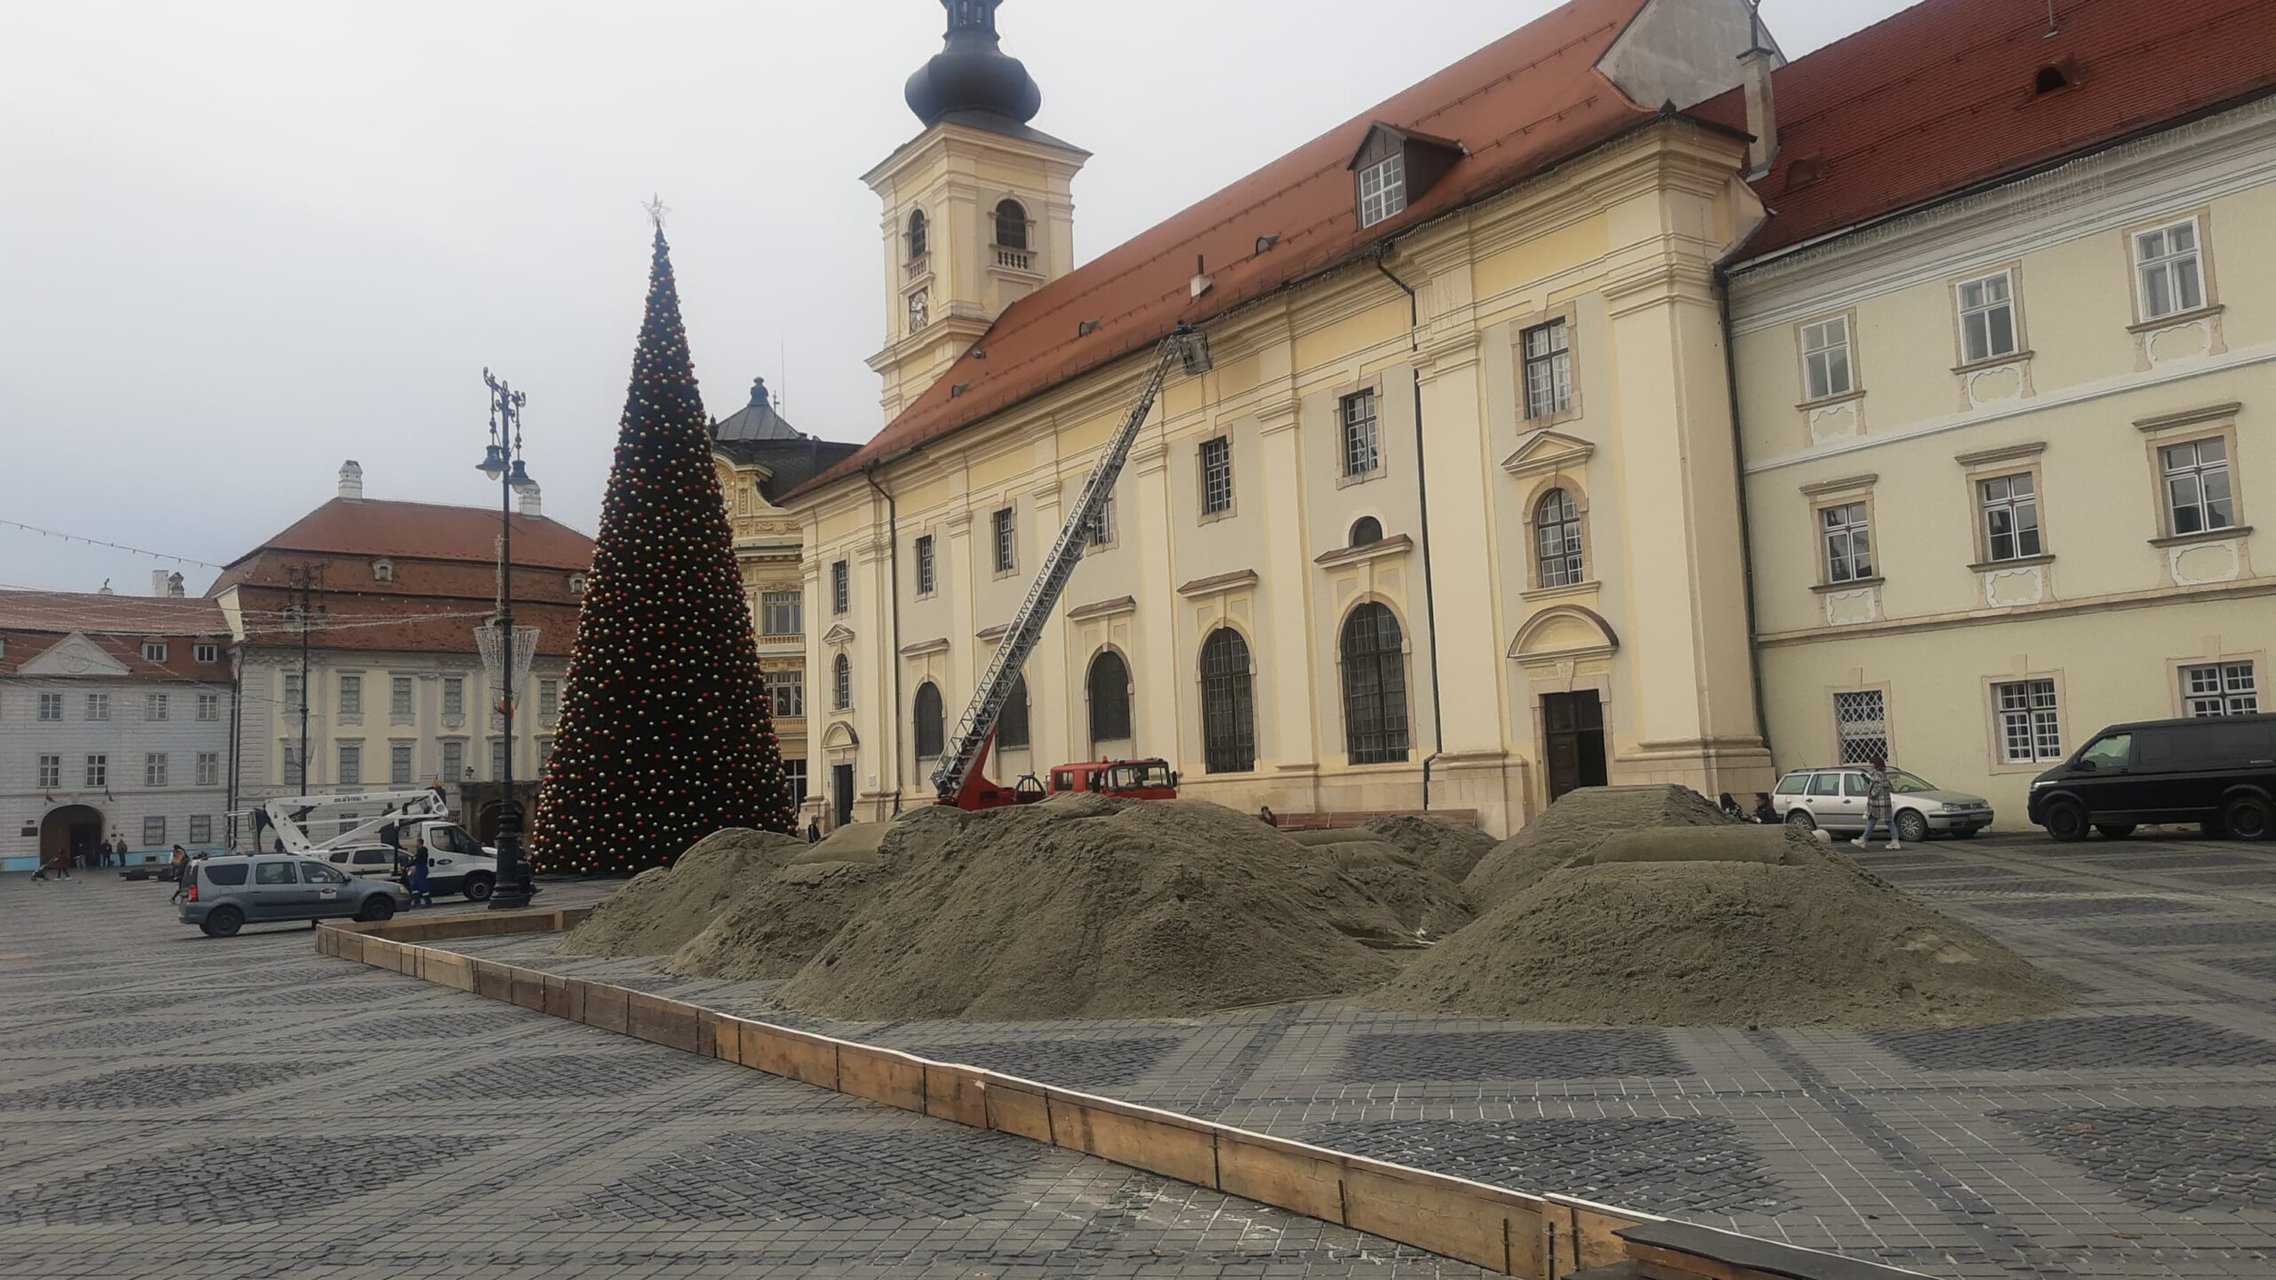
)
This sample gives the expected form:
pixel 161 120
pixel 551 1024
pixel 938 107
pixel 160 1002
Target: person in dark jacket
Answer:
pixel 417 881
pixel 813 831
pixel 183 875
pixel 1764 811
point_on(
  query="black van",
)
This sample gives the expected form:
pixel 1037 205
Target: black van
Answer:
pixel 2215 770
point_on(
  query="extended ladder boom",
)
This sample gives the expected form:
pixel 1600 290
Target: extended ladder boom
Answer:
pixel 1026 626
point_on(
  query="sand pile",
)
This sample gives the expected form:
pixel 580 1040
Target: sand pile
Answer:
pixel 1447 848
pixel 1423 905
pixel 1088 907
pixel 1749 925
pixel 1576 824
pixel 665 906
pixel 776 923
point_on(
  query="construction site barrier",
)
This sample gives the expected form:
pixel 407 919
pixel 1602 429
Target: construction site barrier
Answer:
pixel 1549 1237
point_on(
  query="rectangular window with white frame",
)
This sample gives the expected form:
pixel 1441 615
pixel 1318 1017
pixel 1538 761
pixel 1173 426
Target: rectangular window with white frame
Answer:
pixel 1362 445
pixel 399 773
pixel 548 699
pixel 1846 535
pixel 2169 270
pixel 1827 370
pixel 2030 721
pixel 51 706
pixel 153 651
pixel 925 568
pixel 1382 189
pixel 351 695
pixel 841 587
pixel 1987 318
pixel 154 768
pixel 2010 506
pixel 98 706
pixel 351 764
pixel 1548 370
pixel 156 706
pixel 454 697
pixel 292 692
pixel 1861 725
pixel 1005 540
pixel 1216 477
pixel 206 652
pixel 2220 689
pixel 289 770
pixel 153 832
pixel 454 760
pixel 794 780
pixel 2198 497
pixel 51 772
pixel 209 768
pixel 781 613
pixel 1102 528
pixel 98 771
pixel 497 759
pixel 209 707
pixel 201 828
pixel 400 705
pixel 786 693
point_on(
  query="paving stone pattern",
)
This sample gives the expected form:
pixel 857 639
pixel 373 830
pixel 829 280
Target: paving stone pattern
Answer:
pixel 1079 1064
pixel 827 1176
pixel 2175 1159
pixel 263 1180
pixel 1661 1164
pixel 1510 1055
pixel 2073 908
pixel 2060 1044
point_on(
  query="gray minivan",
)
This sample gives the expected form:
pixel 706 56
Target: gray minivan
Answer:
pixel 232 892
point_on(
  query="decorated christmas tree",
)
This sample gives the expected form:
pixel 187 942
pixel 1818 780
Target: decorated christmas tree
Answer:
pixel 665 734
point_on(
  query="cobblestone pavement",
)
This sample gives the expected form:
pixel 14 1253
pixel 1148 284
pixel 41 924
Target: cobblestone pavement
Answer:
pixel 175 1106
pixel 2134 1135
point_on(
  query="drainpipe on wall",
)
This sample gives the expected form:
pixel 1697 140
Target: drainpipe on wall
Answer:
pixel 893 593
pixel 1422 495
pixel 1746 524
pixel 236 735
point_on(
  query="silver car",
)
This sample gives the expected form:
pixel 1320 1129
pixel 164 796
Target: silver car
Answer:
pixel 232 892
pixel 1834 798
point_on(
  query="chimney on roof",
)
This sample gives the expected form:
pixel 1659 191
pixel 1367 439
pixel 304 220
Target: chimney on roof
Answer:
pixel 352 480
pixel 174 589
pixel 532 502
pixel 1762 108
pixel 158 582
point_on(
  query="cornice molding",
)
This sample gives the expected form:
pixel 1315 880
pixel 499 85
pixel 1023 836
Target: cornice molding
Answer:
pixel 2188 417
pixel 1103 609
pixel 1215 584
pixel 1387 549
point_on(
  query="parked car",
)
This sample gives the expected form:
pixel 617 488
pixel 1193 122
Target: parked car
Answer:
pixel 2218 771
pixel 1833 797
pixel 448 872
pixel 231 892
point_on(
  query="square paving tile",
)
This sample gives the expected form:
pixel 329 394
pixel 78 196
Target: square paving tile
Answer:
pixel 2174 1159
pixel 1510 1055
pixel 2069 1044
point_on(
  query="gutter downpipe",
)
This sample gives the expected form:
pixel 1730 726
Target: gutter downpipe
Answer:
pixel 1422 495
pixel 893 592
pixel 1746 519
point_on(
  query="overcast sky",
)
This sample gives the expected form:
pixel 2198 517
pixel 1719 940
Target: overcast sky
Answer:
pixel 243 240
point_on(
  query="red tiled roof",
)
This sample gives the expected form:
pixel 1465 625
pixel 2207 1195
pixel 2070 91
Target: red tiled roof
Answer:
pixel 32 622
pixel 375 527
pixel 463 579
pixel 397 624
pixel 1940 97
pixel 1520 104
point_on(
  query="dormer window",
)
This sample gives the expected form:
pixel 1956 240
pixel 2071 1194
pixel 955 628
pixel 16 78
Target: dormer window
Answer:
pixel 916 235
pixel 1394 167
pixel 383 571
pixel 1382 190
pixel 576 584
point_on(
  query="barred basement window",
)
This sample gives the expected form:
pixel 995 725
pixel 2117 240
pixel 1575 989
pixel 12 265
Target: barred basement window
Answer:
pixel 1861 726
pixel 2030 724
pixel 2220 689
pixel 1228 706
pixel 1374 686
pixel 928 717
pixel 1011 722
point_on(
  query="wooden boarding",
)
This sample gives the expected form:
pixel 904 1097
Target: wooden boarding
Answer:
pixel 1504 1231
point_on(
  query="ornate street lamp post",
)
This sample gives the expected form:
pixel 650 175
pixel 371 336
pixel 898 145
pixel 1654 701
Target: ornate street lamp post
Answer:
pixel 506 651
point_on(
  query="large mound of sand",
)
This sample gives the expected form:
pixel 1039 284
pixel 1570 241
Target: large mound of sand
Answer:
pixel 776 923
pixel 1576 824
pixel 665 906
pixel 1758 926
pixel 1087 907
pixel 1450 849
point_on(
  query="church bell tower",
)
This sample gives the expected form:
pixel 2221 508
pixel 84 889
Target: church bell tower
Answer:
pixel 978 208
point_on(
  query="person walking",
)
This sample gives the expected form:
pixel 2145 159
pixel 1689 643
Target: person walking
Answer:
pixel 1877 805
pixel 183 876
pixel 417 881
